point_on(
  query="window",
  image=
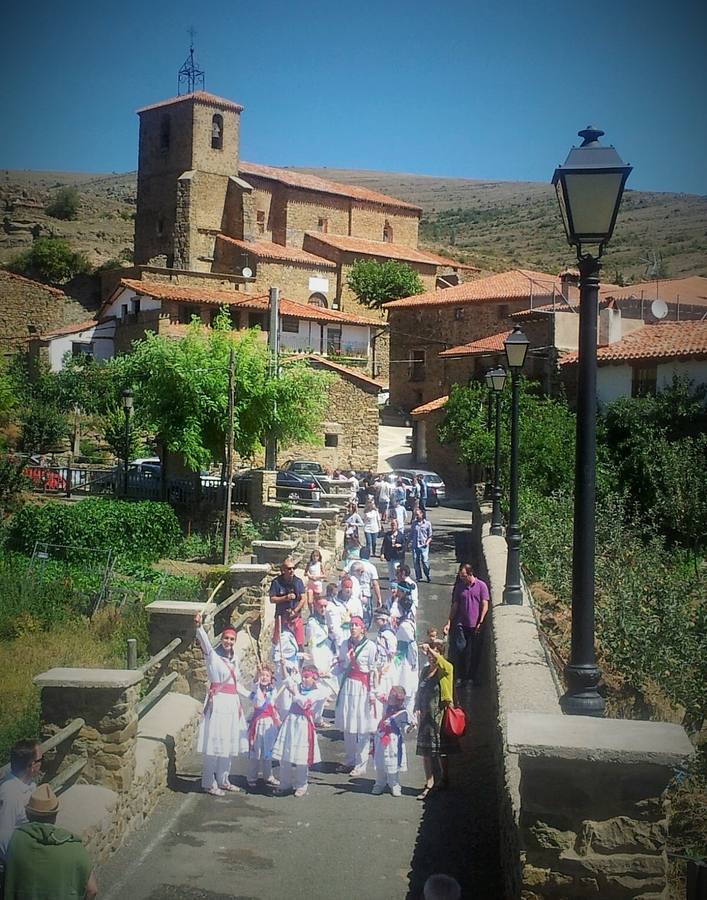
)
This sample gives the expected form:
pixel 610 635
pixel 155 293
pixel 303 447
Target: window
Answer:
pixel 318 300
pixel 644 381
pixel 124 311
pixel 323 225
pixel 79 348
pixel 164 133
pixel 217 132
pixel 184 315
pixel 333 339
pixel 388 232
pixel 135 305
pixel 260 221
pixel 417 365
pixel 160 226
pixel 331 440
pixel 289 324
pixel 256 320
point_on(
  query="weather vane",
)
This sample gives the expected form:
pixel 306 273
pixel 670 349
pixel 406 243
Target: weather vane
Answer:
pixel 190 77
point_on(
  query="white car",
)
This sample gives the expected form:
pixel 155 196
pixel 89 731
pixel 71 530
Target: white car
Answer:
pixel 432 480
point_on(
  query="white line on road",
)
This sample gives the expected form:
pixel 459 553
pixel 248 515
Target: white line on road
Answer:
pixel 147 850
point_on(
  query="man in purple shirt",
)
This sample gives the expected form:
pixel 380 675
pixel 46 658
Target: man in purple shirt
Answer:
pixel 470 605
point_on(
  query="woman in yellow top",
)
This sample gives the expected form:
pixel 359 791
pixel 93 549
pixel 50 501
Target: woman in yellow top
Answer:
pixel 434 694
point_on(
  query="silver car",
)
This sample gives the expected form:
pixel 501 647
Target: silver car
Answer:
pixel 435 485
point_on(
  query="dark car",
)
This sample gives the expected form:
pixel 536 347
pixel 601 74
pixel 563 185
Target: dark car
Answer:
pixel 290 486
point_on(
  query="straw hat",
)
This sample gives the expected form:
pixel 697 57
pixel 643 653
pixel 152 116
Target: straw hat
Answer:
pixel 43 802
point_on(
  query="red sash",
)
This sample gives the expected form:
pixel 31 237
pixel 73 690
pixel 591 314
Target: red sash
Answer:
pixel 221 687
pixel 305 710
pixel 267 711
pixel 355 674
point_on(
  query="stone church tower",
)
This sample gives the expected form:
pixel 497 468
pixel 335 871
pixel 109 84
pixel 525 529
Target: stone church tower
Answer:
pixel 188 189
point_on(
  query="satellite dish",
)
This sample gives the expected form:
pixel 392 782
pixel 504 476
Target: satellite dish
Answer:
pixel 659 308
pixel 247 272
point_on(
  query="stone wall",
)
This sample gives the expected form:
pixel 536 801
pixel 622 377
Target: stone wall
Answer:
pixel 369 220
pixel 25 303
pixel 430 453
pixel 433 329
pixel 353 420
pixel 306 208
pixel 292 279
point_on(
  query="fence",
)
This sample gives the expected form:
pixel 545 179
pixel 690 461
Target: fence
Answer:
pixel 64 776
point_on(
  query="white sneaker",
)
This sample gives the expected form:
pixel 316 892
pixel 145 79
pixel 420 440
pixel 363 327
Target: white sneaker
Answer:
pixel 377 789
pixel 357 772
pixel 396 791
pixel 272 781
pixel 301 791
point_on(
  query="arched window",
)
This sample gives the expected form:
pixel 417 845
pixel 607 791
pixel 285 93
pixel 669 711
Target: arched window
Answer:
pixel 388 232
pixel 318 300
pixel 164 132
pixel 217 132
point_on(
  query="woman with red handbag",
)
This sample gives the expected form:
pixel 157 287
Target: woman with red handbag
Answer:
pixel 434 696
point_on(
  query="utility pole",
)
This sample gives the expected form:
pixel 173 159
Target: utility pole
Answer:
pixel 274 348
pixel 229 460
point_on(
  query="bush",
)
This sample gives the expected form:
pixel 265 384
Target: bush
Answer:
pixel 44 426
pixel 50 260
pixel 376 283
pixel 143 531
pixel 65 204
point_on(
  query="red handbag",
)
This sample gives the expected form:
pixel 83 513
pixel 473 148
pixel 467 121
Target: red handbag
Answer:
pixel 454 721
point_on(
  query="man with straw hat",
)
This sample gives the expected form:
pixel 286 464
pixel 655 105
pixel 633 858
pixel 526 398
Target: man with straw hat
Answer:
pixel 44 860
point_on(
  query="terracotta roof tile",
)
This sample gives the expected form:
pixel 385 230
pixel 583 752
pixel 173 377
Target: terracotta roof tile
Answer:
pixel 692 289
pixel 383 249
pixel 196 97
pixel 69 329
pixel 256 302
pixel 426 408
pixel 666 340
pixel 369 383
pixel 492 344
pixel 313 183
pixel 268 250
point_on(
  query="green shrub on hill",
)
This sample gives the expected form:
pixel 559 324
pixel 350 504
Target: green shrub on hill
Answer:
pixel 64 204
pixel 50 260
pixel 142 531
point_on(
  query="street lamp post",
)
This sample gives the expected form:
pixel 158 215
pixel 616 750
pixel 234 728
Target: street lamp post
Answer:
pixel 127 402
pixel 496 379
pixel 516 346
pixel 589 188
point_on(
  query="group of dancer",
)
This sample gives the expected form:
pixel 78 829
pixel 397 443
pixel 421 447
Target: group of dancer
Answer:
pixel 374 684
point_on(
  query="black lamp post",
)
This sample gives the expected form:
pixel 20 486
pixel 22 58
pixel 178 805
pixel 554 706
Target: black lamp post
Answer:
pixel 127 402
pixel 495 380
pixel 589 188
pixel 516 345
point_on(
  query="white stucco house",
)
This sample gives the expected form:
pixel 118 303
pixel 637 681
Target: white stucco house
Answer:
pixel 89 338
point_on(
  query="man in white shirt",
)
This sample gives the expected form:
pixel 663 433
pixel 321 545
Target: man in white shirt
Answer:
pixel 384 499
pixel 363 571
pixel 16 789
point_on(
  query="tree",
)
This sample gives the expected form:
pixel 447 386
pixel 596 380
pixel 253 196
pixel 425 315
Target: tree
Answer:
pixel 43 427
pixel 181 390
pixel 375 283
pixel 64 204
pixel 50 260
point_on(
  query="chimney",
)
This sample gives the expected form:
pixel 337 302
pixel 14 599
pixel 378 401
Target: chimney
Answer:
pixel 569 280
pixel 609 324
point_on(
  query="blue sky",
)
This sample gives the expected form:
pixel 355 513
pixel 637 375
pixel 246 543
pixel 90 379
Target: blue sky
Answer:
pixel 470 89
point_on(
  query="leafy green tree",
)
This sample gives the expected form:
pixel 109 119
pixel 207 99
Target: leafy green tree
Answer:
pixel 44 426
pixel 64 204
pixel 375 283
pixel 50 260
pixel 181 389
pixel 12 483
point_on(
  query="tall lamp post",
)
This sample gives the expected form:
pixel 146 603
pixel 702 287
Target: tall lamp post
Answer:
pixel 589 188
pixel 496 380
pixel 127 403
pixel 516 346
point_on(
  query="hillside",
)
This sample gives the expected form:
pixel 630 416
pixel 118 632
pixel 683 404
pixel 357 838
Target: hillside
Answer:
pixel 492 224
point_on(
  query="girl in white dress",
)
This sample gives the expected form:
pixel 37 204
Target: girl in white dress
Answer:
pixel 314 573
pixel 222 733
pixel 386 648
pixel 406 674
pixel 355 706
pixel 320 651
pixel 286 661
pixel 263 727
pixel 296 746
pixel 389 756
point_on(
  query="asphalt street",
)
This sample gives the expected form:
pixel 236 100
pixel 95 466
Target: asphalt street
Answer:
pixel 339 841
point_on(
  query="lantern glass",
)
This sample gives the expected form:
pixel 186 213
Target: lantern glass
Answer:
pixel 496 379
pixel 516 345
pixel 591 201
pixel 127 399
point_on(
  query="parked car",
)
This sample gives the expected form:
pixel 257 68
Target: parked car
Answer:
pixel 290 486
pixel 436 488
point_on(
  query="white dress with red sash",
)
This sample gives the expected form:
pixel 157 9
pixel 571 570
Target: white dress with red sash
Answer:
pixel 355 707
pixel 264 723
pixel 223 728
pixel 297 740
pixel 389 753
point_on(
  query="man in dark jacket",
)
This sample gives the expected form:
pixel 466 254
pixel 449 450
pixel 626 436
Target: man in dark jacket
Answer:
pixel 44 861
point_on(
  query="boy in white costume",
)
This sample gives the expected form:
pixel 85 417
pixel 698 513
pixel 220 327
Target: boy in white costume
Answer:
pixel 386 648
pixel 263 727
pixel 222 733
pixel 320 650
pixel 296 746
pixel 406 674
pixel 286 662
pixel 389 756
pixel 342 606
pixel 355 706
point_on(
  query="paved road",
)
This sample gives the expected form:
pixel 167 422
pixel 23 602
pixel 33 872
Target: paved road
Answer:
pixel 393 451
pixel 339 841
